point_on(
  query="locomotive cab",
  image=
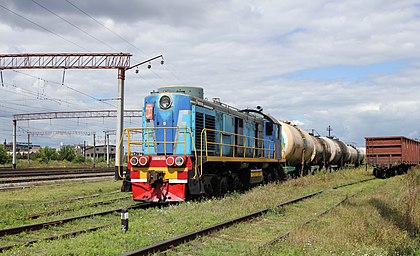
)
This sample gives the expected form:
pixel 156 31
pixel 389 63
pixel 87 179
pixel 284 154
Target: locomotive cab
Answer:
pixel 166 140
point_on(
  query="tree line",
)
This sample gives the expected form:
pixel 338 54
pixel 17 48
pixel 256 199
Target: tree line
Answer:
pixel 47 154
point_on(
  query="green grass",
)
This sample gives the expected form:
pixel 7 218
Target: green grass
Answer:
pixel 153 225
pixel 382 220
pixel 17 205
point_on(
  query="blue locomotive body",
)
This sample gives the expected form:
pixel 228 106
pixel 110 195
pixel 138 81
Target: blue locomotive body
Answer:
pixel 192 146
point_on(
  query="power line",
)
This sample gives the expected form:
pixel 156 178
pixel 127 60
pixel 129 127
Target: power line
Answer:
pixel 100 23
pixel 63 84
pixel 49 31
pixel 122 38
pixel 39 96
pixel 68 22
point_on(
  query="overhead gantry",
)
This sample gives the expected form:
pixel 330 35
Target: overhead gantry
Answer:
pixel 119 61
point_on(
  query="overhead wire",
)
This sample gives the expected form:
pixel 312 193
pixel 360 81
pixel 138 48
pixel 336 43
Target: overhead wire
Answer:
pixel 100 23
pixel 42 27
pixel 71 24
pixel 59 101
pixel 67 86
pixel 39 97
pixel 52 32
pixel 122 38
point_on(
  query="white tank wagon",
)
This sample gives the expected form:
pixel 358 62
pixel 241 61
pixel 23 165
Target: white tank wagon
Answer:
pixel 305 152
pixel 335 152
pixel 361 155
pixel 356 155
pixel 321 154
pixel 298 148
pixel 352 155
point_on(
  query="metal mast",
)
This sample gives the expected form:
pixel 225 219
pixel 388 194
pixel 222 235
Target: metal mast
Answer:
pixel 120 61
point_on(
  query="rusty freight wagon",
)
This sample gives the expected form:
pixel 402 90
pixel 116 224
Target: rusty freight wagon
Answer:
pixel 391 155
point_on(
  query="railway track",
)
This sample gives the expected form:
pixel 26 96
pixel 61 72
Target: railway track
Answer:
pixel 353 183
pixel 68 234
pixel 56 177
pixel 49 213
pixel 159 247
pixel 42 225
pixel 287 233
pixel 49 172
pixel 165 245
pixel 173 242
pixel 26 185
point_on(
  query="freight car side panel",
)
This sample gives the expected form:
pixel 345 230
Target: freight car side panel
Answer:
pixel 389 151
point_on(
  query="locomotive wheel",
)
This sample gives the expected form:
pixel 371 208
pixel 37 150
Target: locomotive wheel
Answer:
pixel 235 183
pixel 268 177
pixel 220 186
pixel 208 187
pixel 275 174
pixel 223 186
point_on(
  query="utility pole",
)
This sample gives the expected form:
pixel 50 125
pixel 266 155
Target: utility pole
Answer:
pixel 329 129
pixel 14 145
pixel 120 126
pixel 29 141
pixel 107 148
pixel 84 151
pixel 94 149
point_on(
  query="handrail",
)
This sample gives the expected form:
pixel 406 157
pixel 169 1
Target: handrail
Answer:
pixel 148 143
pixel 266 152
pixel 259 144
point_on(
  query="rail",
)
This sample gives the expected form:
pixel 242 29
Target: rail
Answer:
pixel 175 241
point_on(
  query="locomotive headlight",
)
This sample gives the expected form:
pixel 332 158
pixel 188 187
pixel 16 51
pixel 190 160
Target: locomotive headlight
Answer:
pixel 134 161
pixel 165 102
pixel 179 161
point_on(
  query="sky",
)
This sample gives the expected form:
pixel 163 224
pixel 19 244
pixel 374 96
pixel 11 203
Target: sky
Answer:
pixel 352 65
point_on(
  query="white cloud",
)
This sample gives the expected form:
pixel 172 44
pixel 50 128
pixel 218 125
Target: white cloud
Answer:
pixel 236 50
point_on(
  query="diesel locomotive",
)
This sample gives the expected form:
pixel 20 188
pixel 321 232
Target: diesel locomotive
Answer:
pixel 189 146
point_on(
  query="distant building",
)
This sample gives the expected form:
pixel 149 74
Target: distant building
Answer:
pixel 22 148
pixel 100 151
